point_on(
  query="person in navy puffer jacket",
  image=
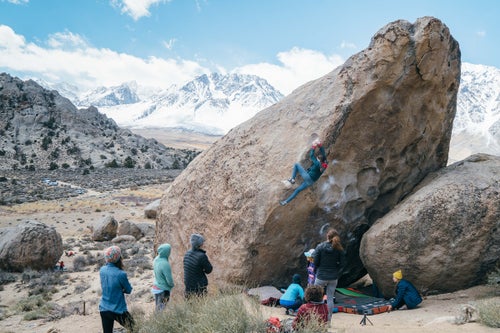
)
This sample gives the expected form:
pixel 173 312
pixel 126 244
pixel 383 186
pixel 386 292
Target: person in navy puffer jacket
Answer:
pixel 406 293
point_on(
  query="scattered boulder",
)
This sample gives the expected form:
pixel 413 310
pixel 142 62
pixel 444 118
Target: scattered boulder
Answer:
pixel 445 236
pixel 385 118
pixel 151 210
pixel 129 228
pixel 105 229
pixel 124 239
pixel 147 229
pixel 30 244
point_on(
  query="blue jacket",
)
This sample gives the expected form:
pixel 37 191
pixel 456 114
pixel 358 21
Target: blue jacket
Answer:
pixel 162 270
pixel 405 291
pixel 114 284
pixel 292 294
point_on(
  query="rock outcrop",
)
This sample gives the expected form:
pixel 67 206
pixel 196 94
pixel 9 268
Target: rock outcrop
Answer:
pixel 385 118
pixel 446 235
pixel 30 244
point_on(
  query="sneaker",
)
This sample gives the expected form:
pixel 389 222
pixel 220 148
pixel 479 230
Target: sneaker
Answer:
pixel 283 203
pixel 291 181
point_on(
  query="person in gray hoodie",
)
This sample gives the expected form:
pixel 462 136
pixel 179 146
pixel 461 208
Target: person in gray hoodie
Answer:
pixel 163 281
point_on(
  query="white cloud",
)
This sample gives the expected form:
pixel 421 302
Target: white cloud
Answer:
pixel 170 43
pixel 298 66
pixel 16 2
pixel 136 8
pixel 346 45
pixel 69 59
pixel 481 33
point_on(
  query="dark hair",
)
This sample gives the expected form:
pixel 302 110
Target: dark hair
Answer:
pixel 314 293
pixel 334 238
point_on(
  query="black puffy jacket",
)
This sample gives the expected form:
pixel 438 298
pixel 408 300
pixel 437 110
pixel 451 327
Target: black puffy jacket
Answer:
pixel 196 268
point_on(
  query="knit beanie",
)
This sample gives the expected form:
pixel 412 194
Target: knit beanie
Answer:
pixel 296 278
pixel 197 241
pixel 398 275
pixel 112 254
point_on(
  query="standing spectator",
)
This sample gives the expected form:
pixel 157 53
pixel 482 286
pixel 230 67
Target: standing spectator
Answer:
pixel 329 259
pixel 114 284
pixel 311 269
pixel 406 293
pixel 163 281
pixel 196 268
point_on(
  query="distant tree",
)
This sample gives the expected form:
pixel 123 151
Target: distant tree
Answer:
pixel 65 165
pixel 147 165
pixel 53 166
pixel 129 162
pixel 112 164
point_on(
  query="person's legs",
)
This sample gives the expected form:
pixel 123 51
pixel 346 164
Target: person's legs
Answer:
pixel 125 319
pixel 330 294
pixel 297 168
pixel 160 301
pixel 107 320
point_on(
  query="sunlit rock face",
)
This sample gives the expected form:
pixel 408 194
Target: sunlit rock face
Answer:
pixel 385 119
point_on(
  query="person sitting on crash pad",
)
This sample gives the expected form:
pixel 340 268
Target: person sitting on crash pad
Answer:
pixel 406 293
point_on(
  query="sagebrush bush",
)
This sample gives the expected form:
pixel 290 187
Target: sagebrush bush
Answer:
pixel 223 312
pixel 489 312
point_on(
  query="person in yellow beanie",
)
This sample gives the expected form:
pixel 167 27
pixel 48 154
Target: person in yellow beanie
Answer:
pixel 406 293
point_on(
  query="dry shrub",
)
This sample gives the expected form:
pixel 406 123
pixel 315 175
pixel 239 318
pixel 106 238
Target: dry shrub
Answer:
pixel 223 312
pixel 489 312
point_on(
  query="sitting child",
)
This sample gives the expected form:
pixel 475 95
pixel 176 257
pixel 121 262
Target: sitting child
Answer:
pixel 314 308
pixel 293 297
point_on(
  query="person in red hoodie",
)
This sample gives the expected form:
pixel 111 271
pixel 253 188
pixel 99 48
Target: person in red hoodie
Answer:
pixel 314 307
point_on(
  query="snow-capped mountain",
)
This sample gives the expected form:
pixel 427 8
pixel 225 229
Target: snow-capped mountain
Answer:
pixel 213 104
pixel 476 127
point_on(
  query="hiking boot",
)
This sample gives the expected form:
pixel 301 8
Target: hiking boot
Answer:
pixel 283 203
pixel 291 181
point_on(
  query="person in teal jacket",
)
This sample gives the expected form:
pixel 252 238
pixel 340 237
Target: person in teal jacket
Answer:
pixel 309 176
pixel 406 293
pixel 163 281
pixel 293 297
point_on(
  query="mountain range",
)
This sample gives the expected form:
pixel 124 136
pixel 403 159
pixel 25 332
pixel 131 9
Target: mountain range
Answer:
pixel 213 104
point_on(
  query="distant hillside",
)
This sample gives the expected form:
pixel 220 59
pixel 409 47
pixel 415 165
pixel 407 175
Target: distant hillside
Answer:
pixel 40 129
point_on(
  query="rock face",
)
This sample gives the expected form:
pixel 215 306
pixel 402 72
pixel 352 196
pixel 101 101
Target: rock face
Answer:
pixel 30 244
pixel 385 118
pixel 446 235
pixel 105 230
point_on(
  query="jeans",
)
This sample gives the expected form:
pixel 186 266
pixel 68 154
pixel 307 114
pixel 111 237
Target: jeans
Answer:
pixel 161 300
pixel 330 285
pixel 108 318
pixel 307 181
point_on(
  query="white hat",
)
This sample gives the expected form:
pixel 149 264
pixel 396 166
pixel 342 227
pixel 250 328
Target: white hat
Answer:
pixel 309 253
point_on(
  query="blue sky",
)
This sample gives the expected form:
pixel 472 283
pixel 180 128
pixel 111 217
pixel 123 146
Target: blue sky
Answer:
pixel 159 42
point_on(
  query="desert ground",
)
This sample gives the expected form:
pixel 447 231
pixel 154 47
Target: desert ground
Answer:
pixel 78 291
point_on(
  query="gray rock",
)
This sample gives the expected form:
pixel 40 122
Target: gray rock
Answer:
pixel 129 228
pixel 151 210
pixel 30 244
pixel 385 119
pixel 446 235
pixel 105 229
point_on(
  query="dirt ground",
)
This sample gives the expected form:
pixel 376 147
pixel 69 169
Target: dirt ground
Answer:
pixel 72 218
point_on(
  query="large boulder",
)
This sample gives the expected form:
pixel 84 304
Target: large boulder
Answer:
pixel 385 118
pixel 446 235
pixel 105 229
pixel 30 244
